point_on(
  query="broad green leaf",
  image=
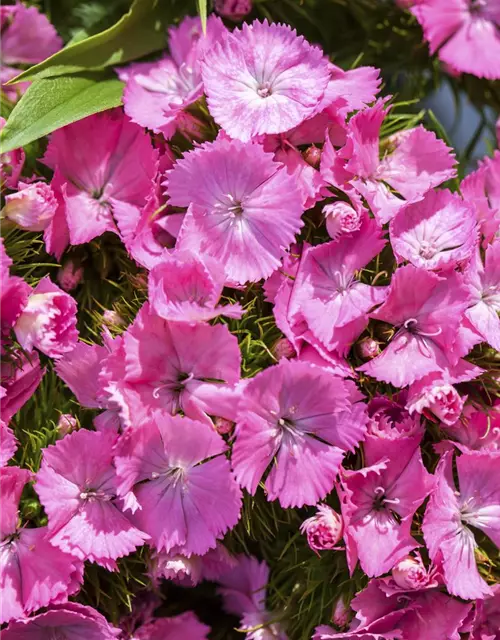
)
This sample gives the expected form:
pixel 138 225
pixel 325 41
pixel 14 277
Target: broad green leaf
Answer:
pixel 51 103
pixel 202 11
pixel 140 31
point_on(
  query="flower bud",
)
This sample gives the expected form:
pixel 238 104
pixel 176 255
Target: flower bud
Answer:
pixel 48 321
pixel 440 399
pixel 341 218
pixel 324 530
pixel 233 9
pixel 284 349
pixel 66 424
pixel 410 573
pixel 312 155
pixel 223 426
pixel 368 348
pixel 32 207
pixel 341 614
pixel 69 276
pixel 112 318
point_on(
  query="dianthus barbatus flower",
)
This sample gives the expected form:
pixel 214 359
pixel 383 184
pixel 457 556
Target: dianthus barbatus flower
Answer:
pixel 246 208
pixel 33 573
pixel 20 378
pixel 175 478
pixel 104 167
pixel 263 78
pixel 465 34
pixel 378 504
pixel 77 486
pixel 481 188
pixel 332 301
pixel 14 293
pixel 174 366
pixel 157 92
pixel 427 310
pixel 436 232
pixel 486 622
pixel 301 420
pixel 70 621
pixel 477 429
pixel 450 512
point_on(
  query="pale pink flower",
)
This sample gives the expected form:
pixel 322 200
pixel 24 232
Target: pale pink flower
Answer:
pixel 435 394
pixel 410 573
pixel 27 35
pixel 77 485
pixel 48 322
pixel 32 207
pixel 323 530
pixel 70 620
pixel 449 539
pixel 175 478
pixel 437 232
pixel 104 170
pixel 33 573
pixel 427 310
pixel 481 189
pixel 477 430
pixel 245 208
pixel 299 420
pixel 263 78
pixel 465 34
pixel 341 218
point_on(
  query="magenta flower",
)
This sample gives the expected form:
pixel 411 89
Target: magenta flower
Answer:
pixel 483 282
pixel 341 218
pixel 156 93
pixel 410 574
pixel 172 366
pixel 323 530
pixel 187 288
pixel 465 34
pixel 104 170
pixel 12 162
pixel 8 442
pixel 263 78
pixel 486 622
pixel 32 207
pixel 450 512
pixel 27 35
pixel 185 626
pixel 301 420
pixel 437 232
pixel 14 293
pixel 48 321
pixel 20 379
pixel 477 430
pixel 418 161
pixel 434 395
pixel 175 478
pixel 70 620
pixel 246 211
pixel 77 486
pixel 33 573
pixel 427 310
pixel 378 504
pixel 332 301
pixel 481 189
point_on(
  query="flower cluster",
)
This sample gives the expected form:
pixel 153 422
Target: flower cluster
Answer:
pixel 371 412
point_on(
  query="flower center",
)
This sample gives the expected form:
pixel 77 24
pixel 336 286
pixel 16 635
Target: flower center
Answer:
pixel 91 495
pixel 427 250
pixel 264 90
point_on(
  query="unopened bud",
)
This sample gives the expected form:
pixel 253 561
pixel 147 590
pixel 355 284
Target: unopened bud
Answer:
pixel 341 218
pixel 32 207
pixel 66 424
pixel 284 349
pixel 223 426
pixel 312 155
pixel 234 10
pixel 324 530
pixel 69 276
pixel 368 348
pixel 410 573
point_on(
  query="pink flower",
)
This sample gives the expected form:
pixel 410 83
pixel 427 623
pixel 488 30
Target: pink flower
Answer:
pixel 246 208
pixel 27 35
pixel 33 574
pixel 486 622
pixel 299 419
pixel 172 366
pixel 20 378
pixel 177 482
pixel 156 93
pixel 12 91
pixel 263 79
pixel 477 430
pixel 14 293
pixel 32 207
pixel 77 486
pixel 341 218
pixel 233 9
pixel 464 33
pixel 417 162
pixel 434 394
pixel 187 288
pixel 450 512
pixel 8 442
pixel 329 297
pixel 378 504
pixel 185 626
pixel 481 189
pixel 48 322
pixel 70 620
pixel 437 232
pixel 324 530
pixel 427 309
pixel 104 169
pixel 483 282
pixel 411 574
pixel 12 162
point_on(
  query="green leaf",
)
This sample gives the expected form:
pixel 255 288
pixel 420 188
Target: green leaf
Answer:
pixel 51 103
pixel 140 31
pixel 202 11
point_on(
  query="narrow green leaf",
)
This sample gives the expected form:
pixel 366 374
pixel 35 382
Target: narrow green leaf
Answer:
pixel 140 31
pixel 202 11
pixel 51 103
